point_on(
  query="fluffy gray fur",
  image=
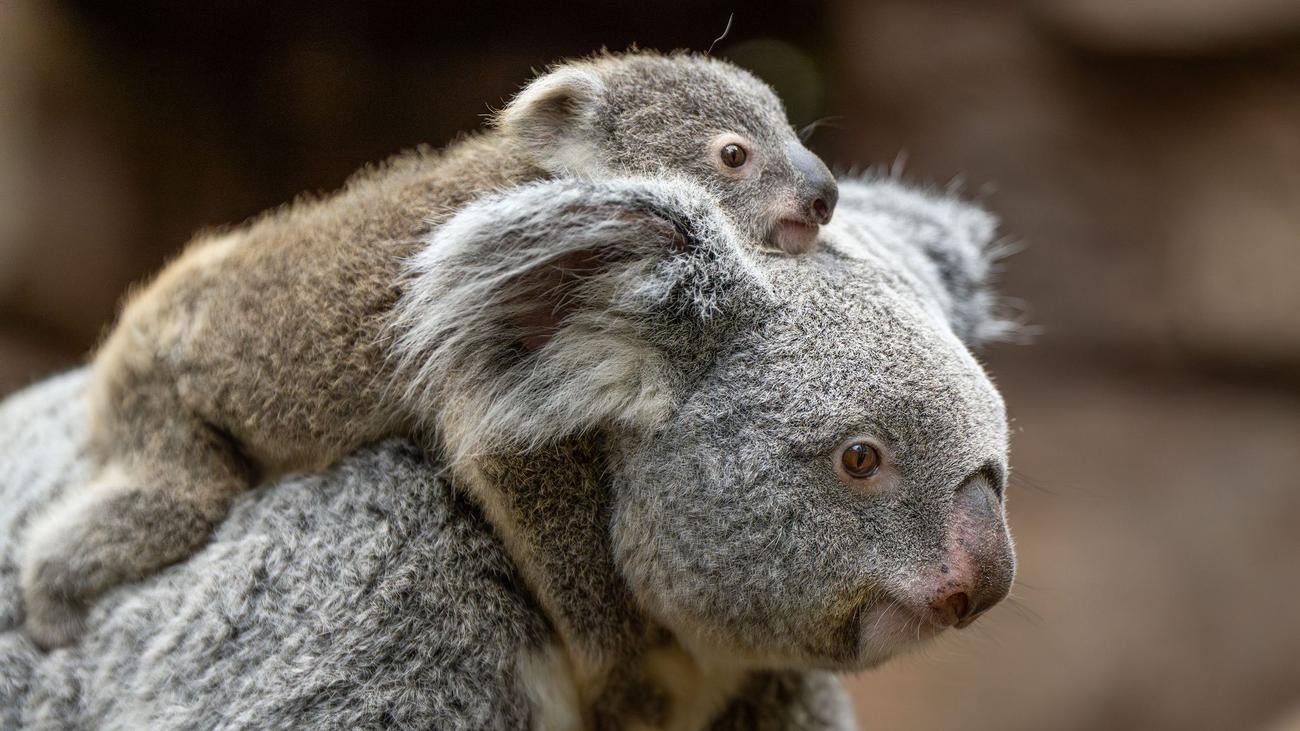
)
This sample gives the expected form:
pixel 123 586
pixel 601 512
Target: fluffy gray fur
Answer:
pixel 369 597
pixel 633 420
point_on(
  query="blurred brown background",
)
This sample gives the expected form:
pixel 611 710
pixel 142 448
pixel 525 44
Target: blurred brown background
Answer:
pixel 1147 153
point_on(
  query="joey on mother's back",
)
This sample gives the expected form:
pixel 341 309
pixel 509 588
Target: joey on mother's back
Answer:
pixel 262 349
pixel 717 471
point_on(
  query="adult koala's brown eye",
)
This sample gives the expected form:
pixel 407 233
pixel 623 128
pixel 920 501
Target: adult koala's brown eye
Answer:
pixel 733 155
pixel 860 460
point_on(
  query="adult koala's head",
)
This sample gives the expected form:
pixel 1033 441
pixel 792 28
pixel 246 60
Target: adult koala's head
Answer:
pixel 806 464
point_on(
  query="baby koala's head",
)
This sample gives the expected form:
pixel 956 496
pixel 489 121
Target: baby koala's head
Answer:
pixel 644 113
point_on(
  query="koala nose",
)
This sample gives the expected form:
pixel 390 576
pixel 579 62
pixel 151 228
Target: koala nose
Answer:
pixel 824 205
pixel 979 563
pixel 959 609
pixel 817 187
pixel 952 609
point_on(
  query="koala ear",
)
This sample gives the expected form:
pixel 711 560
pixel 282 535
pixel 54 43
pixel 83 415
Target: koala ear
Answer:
pixel 554 119
pixel 947 243
pixel 563 306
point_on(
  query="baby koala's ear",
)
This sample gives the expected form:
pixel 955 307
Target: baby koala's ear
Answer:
pixel 554 118
pixel 947 243
pixel 564 306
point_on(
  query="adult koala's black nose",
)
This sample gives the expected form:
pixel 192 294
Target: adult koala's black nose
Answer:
pixel 818 189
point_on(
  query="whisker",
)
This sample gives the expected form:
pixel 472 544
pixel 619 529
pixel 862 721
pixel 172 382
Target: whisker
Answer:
pixel 875 627
pixel 807 130
pixel 1022 479
pixel 1025 612
pixel 984 634
pixel 725 31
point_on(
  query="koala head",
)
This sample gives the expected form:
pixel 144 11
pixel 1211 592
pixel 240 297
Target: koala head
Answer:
pixel 806 464
pixel 649 114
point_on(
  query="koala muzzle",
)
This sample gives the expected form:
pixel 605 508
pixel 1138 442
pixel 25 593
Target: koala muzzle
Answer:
pixel 979 563
pixel 818 191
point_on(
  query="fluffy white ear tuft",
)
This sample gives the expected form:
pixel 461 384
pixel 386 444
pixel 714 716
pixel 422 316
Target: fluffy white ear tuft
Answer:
pixel 561 306
pixel 554 118
pixel 949 244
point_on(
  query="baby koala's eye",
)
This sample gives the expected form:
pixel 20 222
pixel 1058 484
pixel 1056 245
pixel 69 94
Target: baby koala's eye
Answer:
pixel 860 460
pixel 733 155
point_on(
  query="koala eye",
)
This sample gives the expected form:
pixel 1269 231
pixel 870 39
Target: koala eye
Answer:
pixel 733 155
pixel 860 460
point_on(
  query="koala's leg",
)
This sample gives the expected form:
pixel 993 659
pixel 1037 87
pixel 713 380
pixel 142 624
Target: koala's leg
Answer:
pixel 167 479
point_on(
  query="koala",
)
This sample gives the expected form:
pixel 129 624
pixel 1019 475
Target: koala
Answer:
pixel 718 474
pixel 722 472
pixel 261 350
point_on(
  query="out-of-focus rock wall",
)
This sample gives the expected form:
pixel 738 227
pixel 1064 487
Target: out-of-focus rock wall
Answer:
pixel 66 207
pixel 126 127
pixel 1147 152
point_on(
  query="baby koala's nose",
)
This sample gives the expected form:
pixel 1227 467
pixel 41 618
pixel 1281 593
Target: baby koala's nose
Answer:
pixel 824 204
pixel 817 186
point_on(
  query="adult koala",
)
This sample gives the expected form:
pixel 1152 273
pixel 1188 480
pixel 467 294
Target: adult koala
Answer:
pixel 670 480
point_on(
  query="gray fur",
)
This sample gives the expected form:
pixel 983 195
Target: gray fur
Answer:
pixel 946 243
pixel 674 529
pixel 367 597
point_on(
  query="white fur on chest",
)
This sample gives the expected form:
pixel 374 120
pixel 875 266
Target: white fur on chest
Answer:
pixel 696 694
pixel 548 682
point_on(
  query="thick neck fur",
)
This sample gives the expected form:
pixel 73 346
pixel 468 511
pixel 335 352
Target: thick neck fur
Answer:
pixel 553 510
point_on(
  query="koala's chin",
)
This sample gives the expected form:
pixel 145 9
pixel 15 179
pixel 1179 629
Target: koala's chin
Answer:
pixel 793 236
pixel 874 633
pixel 887 629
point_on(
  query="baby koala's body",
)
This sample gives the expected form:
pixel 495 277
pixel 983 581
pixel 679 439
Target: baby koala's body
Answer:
pixel 266 348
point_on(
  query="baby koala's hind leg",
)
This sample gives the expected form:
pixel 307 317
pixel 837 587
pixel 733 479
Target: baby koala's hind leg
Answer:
pixel 149 507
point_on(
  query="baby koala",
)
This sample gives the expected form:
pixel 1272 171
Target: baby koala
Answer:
pixel 266 348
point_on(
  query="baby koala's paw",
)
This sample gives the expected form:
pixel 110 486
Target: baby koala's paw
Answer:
pixel 59 576
pixel 51 622
pixel 56 616
pixel 96 539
